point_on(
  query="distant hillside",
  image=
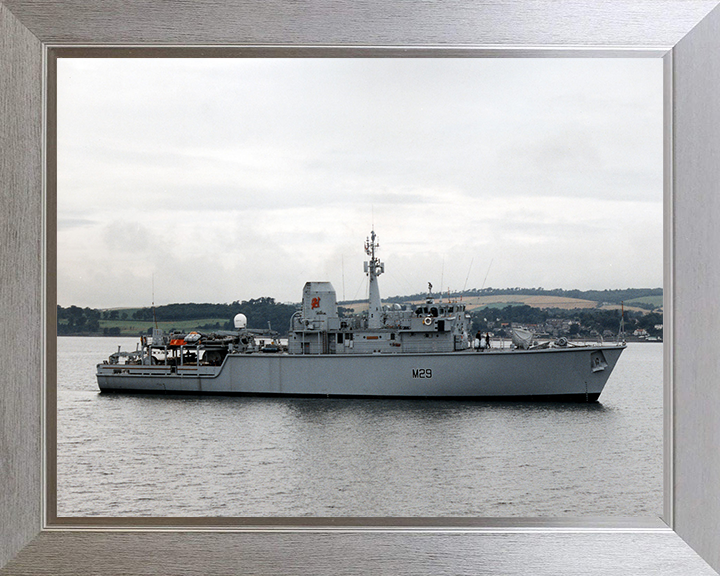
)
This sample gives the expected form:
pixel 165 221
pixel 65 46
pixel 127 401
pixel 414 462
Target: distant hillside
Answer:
pixel 633 298
pixel 260 312
pixel 608 296
pixel 647 301
pixel 263 311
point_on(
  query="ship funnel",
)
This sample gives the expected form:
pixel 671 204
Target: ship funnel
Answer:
pixel 319 301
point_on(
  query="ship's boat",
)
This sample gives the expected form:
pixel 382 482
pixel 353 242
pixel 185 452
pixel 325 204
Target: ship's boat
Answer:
pixel 387 351
pixel 521 337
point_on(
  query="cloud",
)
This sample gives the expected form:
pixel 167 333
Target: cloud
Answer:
pixel 68 223
pixel 231 179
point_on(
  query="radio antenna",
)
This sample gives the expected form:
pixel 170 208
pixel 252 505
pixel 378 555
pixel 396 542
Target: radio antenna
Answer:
pixel 468 274
pixel 153 300
pixel 442 274
pixel 342 267
pixel 486 274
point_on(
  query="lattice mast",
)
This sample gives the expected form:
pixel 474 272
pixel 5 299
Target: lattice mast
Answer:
pixel 373 269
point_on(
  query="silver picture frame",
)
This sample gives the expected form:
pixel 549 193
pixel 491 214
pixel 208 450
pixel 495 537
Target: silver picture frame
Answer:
pixel 685 33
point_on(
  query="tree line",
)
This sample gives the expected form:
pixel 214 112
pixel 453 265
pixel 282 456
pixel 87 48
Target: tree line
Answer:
pixel 260 312
pixel 74 320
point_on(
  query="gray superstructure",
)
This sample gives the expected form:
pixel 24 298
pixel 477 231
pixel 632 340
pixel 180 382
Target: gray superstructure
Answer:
pixel 418 351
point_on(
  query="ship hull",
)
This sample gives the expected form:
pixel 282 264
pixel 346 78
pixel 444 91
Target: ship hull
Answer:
pixel 561 374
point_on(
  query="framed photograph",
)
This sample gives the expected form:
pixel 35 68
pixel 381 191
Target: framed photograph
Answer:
pixel 237 180
pixel 35 540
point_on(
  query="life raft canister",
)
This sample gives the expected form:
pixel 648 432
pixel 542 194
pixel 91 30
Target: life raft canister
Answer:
pixel 192 337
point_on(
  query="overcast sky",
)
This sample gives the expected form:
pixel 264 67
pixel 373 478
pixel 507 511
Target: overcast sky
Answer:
pixel 223 180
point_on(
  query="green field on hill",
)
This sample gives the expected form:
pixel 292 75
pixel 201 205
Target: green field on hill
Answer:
pixel 656 301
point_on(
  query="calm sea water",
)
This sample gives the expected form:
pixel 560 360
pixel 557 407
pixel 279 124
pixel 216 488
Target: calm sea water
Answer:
pixel 146 455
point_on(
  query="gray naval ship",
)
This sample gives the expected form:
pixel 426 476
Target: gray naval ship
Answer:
pixel 387 351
